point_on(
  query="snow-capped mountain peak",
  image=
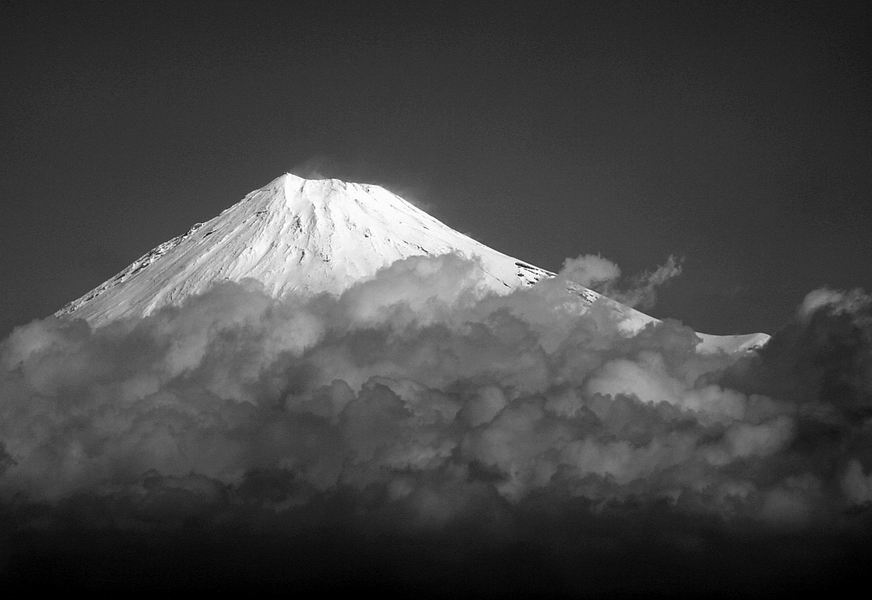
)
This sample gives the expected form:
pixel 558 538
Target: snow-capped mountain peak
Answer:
pixel 309 236
pixel 294 235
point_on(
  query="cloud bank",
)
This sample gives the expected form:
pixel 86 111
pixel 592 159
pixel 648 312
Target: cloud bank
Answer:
pixel 416 406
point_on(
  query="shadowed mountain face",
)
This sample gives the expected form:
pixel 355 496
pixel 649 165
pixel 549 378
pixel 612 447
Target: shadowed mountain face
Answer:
pixel 303 237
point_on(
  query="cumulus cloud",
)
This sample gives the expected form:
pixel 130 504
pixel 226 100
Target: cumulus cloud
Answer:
pixel 416 401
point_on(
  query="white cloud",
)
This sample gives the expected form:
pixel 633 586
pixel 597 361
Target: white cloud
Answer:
pixel 420 384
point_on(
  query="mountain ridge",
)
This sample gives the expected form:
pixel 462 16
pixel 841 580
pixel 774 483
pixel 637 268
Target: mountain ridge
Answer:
pixel 308 236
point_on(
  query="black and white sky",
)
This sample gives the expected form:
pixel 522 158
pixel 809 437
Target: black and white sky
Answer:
pixel 735 135
pixel 413 435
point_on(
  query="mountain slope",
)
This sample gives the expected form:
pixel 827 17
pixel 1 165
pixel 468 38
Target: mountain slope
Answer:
pixel 301 236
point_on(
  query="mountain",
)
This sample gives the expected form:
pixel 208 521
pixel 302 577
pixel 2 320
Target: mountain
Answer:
pixel 307 236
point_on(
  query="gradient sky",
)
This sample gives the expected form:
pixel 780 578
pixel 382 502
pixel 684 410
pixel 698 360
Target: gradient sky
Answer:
pixel 736 135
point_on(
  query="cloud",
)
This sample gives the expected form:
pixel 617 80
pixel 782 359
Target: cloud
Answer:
pixel 590 270
pixel 604 276
pixel 416 404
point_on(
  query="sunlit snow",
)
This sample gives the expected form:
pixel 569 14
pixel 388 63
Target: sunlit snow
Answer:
pixel 309 236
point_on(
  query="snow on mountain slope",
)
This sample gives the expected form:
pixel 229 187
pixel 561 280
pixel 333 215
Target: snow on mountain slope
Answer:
pixel 302 236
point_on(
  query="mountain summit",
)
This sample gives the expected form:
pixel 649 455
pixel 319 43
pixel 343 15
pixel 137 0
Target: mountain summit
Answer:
pixel 308 236
pixel 295 236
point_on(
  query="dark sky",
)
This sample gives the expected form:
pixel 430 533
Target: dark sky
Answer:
pixel 736 135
